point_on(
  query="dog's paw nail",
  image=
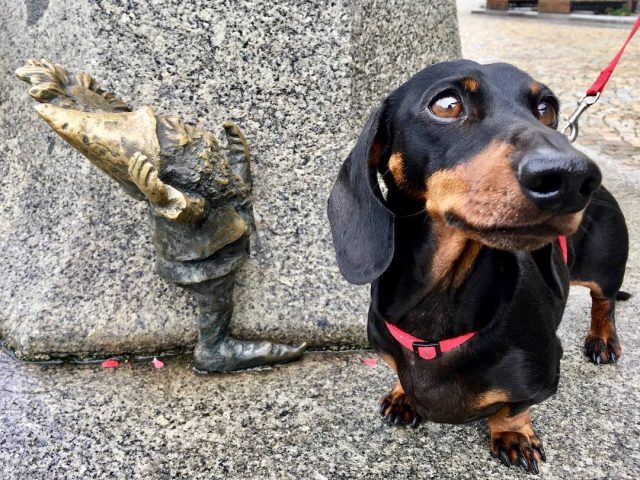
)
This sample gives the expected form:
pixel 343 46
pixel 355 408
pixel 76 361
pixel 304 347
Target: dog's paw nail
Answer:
pixel 398 420
pixel 502 455
pixel 534 466
pixel 613 358
pixel 383 407
pixel 543 455
pixel 416 421
pixel 523 463
pixel 598 359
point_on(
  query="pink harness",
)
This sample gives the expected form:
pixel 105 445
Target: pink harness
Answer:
pixel 430 350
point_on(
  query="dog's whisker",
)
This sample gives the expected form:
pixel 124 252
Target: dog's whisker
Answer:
pixel 424 210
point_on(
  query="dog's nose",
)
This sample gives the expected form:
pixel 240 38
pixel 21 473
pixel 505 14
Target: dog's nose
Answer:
pixel 559 183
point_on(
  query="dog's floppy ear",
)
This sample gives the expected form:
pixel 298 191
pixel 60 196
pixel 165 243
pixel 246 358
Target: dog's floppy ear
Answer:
pixel 362 227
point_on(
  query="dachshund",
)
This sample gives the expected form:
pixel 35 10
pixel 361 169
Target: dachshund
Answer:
pixel 470 215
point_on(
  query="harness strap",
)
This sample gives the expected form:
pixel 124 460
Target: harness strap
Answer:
pixel 562 241
pixel 428 350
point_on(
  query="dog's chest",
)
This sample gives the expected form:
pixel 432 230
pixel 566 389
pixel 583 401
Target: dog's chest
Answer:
pixel 515 318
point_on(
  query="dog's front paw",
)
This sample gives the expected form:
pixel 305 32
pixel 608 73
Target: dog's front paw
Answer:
pixel 516 448
pixel 601 349
pixel 397 409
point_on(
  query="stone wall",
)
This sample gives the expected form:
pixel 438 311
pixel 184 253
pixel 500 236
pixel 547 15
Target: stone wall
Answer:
pixel 299 77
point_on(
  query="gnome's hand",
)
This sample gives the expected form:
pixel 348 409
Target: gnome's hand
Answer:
pixel 239 155
pixel 166 201
pixel 145 175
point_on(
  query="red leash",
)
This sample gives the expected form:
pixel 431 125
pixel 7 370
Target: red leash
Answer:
pixel 603 78
pixel 595 90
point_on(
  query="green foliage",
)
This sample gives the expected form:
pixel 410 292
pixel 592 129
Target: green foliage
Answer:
pixel 622 11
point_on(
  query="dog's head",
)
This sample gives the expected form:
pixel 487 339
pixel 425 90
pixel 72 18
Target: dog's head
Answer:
pixel 477 147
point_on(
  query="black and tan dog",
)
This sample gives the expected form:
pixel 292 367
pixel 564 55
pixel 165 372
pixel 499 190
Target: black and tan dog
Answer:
pixel 489 213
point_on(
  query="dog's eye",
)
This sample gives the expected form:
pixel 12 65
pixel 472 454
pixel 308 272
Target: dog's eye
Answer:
pixel 546 113
pixel 446 106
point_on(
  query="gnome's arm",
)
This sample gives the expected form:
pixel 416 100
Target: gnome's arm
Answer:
pixel 165 200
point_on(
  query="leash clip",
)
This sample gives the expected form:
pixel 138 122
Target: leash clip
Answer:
pixel 572 123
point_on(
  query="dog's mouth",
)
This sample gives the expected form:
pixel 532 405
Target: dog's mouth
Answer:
pixel 518 237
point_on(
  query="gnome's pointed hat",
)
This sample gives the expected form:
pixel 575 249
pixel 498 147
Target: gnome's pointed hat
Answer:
pixel 95 122
pixel 107 139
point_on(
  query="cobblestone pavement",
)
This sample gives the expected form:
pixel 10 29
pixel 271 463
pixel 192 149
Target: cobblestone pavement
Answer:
pixel 568 58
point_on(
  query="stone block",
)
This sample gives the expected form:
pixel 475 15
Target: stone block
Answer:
pixel 299 77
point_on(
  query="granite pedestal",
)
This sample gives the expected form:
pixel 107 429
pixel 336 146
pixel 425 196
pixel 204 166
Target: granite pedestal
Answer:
pixel 77 273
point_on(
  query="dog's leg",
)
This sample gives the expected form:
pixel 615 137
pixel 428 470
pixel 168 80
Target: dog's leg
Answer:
pixel 396 408
pixel 600 249
pixel 513 440
pixel 602 344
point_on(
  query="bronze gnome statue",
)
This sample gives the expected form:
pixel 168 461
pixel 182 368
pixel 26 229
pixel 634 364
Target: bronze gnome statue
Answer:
pixel 199 197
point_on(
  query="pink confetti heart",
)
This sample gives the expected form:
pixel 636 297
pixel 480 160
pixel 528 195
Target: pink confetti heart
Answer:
pixel 371 362
pixel 157 363
pixel 111 363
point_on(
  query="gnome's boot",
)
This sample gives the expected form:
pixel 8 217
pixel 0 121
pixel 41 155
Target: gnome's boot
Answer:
pixel 216 351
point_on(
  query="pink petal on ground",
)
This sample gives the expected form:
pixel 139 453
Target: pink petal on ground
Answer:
pixel 111 363
pixel 157 363
pixel 372 362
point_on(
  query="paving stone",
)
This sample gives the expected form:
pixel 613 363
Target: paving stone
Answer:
pixel 568 58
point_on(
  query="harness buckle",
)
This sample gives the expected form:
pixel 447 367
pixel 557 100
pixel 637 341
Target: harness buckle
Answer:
pixel 416 346
pixel 572 123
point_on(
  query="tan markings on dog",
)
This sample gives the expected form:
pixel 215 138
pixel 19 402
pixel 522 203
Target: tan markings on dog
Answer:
pixel 454 255
pixel 483 191
pixel 601 308
pixel 388 359
pixel 398 405
pixel 567 223
pixel 397 390
pixel 513 434
pixel 593 286
pixel 395 396
pixel 374 154
pixel 489 398
pixel 396 167
pixel 485 194
pixel 501 421
pixel 601 322
pixel 470 84
pixel 603 327
pixel 465 262
pixel 535 88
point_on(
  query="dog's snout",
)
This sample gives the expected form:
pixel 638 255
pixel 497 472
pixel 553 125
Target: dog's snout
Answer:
pixel 559 183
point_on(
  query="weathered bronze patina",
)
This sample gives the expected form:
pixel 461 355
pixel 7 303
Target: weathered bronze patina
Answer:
pixel 199 196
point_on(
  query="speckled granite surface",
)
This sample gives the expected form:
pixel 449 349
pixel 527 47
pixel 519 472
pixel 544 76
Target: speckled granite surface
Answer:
pixel 299 77
pixel 316 419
